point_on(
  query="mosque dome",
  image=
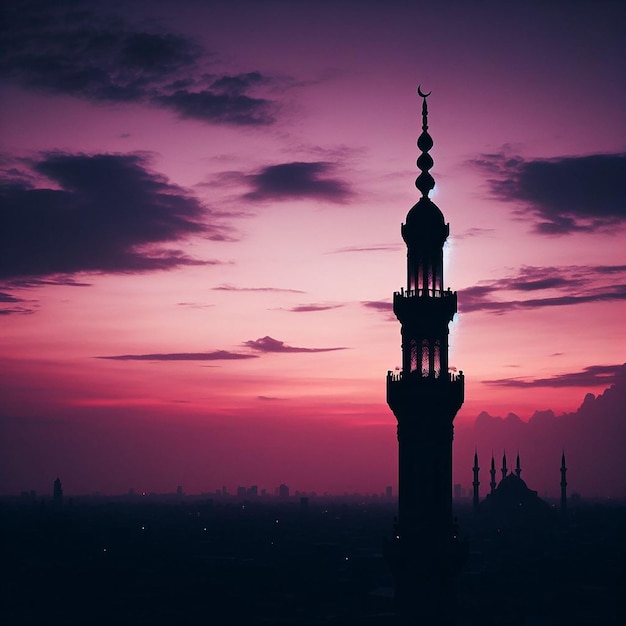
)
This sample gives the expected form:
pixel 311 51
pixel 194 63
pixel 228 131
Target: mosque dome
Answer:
pixel 425 223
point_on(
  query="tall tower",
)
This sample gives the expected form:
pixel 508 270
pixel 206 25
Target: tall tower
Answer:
pixel 492 473
pixel 425 398
pixel 563 484
pixel 476 482
pixel 518 467
pixel 504 469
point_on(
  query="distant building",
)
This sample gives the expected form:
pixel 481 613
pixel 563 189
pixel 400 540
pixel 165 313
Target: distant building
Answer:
pixel 241 492
pixel 179 491
pixel 511 503
pixel 388 492
pixel 253 491
pixel 57 493
pixel 283 491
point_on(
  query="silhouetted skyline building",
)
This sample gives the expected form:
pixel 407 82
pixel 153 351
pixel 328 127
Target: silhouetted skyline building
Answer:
pixel 507 499
pixel 57 493
pixel 563 484
pixel 424 397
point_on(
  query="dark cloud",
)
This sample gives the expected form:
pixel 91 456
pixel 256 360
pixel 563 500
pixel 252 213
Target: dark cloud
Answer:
pixel 7 297
pixel 569 285
pixel 562 195
pixel 268 344
pixel 592 376
pixel 379 305
pixel 195 305
pixel 218 355
pixel 311 308
pixel 210 106
pixel 382 306
pixel 67 49
pixel 16 310
pixel 592 437
pixel 297 180
pixel 98 213
pixel 16 307
pixel 475 232
pixel 267 289
pixel 67 281
pixel 373 248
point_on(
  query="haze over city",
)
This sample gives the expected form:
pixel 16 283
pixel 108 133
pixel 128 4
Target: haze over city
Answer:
pixel 200 238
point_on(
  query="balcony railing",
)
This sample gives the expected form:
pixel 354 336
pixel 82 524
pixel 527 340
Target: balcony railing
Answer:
pixel 397 377
pixel 423 293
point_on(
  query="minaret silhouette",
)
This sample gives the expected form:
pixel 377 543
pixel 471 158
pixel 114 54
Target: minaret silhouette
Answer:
pixel 476 482
pixel 504 470
pixel 424 398
pixel 563 484
pixel 518 467
pixel 492 472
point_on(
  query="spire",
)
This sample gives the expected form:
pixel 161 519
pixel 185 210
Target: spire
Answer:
pixel 476 483
pixel 505 471
pixel 518 468
pixel 492 473
pixel 424 182
pixel 563 484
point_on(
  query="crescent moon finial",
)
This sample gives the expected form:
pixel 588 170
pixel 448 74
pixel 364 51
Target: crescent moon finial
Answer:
pixel 421 93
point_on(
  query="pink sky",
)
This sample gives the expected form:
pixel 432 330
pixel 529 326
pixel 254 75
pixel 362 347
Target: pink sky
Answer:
pixel 221 186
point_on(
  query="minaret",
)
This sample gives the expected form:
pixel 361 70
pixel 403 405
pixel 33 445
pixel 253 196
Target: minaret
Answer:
pixel 563 484
pixel 504 470
pixel 518 467
pixel 492 472
pixel 476 483
pixel 424 398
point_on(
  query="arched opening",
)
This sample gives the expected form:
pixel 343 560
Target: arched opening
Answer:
pixel 425 359
pixel 437 358
pixel 413 355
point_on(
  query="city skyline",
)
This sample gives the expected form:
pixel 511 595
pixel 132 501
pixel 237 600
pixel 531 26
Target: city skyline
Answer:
pixel 201 235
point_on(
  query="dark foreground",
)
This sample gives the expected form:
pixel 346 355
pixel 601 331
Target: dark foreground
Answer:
pixel 198 562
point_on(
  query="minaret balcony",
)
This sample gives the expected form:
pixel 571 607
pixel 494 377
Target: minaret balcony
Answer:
pixel 415 304
pixel 414 393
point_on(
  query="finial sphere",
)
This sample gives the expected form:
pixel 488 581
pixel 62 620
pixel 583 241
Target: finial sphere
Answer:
pixel 421 93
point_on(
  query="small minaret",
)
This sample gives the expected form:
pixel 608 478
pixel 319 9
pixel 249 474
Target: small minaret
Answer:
pixel 57 493
pixel 563 484
pixel 476 483
pixel 504 470
pixel 518 468
pixel 492 471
